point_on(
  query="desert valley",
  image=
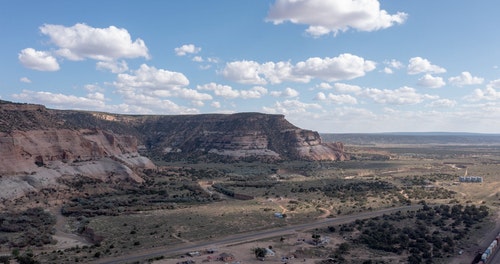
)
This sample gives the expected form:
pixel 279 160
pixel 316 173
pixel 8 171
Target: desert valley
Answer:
pixel 97 187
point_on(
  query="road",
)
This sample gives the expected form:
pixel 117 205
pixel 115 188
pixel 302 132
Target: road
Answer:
pixel 145 254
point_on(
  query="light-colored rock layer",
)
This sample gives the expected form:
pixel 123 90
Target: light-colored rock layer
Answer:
pixel 34 160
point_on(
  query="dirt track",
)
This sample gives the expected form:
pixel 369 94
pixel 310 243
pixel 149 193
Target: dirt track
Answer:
pixel 247 237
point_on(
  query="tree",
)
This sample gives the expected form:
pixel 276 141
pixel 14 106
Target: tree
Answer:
pixel 316 238
pixel 260 253
pixel 343 248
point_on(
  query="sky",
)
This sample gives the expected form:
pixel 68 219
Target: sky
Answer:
pixel 333 66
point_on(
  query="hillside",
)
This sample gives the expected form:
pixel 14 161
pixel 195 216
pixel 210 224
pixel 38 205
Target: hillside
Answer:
pixel 212 137
pixel 38 146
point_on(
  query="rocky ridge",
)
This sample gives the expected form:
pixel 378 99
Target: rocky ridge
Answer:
pixel 37 149
pixel 40 145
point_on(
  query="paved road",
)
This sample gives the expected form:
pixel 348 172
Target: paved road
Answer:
pixel 247 237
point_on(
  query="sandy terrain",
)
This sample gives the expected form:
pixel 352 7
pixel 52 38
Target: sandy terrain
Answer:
pixel 243 253
pixel 65 239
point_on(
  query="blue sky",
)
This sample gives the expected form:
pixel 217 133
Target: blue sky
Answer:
pixel 338 66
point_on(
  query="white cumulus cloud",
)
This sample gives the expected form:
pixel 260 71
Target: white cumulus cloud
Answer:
pixel 324 86
pixel 430 81
pixel 25 80
pixel 333 16
pixel 38 60
pixel 400 96
pixel 215 104
pixel 291 107
pixel 91 101
pixel 336 98
pixel 113 66
pixel 150 81
pixel 137 102
pixel 446 103
pixel 347 88
pixel 253 93
pixel 395 64
pixel 187 49
pixel 225 91
pixel 246 72
pixel 388 70
pixel 391 66
pixel 343 67
pixel 152 78
pixel 490 93
pixel 465 78
pixel 228 92
pixel 198 59
pixel 288 93
pixel 81 41
pixel 420 65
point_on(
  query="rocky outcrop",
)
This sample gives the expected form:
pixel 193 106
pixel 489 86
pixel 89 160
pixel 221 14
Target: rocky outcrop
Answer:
pixel 35 159
pixel 37 148
pixel 25 151
pixel 226 136
pixel 310 147
pixel 41 144
pixel 236 136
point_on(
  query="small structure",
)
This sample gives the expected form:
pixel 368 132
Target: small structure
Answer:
pixel 187 262
pixel 470 179
pixel 226 257
pixel 211 250
pixel 270 252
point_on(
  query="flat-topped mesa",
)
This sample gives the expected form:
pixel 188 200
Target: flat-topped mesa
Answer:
pixel 200 137
pixel 236 136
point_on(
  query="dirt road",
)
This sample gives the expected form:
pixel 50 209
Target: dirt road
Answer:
pixel 247 237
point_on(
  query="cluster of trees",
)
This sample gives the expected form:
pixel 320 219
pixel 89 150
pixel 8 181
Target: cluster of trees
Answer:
pixel 356 190
pixel 225 190
pixel 426 235
pixel 419 193
pixel 32 227
pixel 161 190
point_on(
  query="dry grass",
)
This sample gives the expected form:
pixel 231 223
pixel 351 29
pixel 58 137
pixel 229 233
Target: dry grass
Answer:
pixel 170 227
pixel 201 222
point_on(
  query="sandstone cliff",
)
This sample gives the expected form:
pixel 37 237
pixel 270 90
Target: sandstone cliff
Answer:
pixel 36 149
pixel 42 144
pixel 235 136
pixel 232 136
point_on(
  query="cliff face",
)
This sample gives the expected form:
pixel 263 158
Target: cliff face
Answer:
pixel 26 151
pixel 235 136
pixel 42 145
pixel 36 149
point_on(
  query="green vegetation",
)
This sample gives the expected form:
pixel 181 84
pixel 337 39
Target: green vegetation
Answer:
pixel 429 235
pixel 193 202
pixel 32 227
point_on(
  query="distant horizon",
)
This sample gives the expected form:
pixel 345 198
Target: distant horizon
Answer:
pixel 429 133
pixel 373 133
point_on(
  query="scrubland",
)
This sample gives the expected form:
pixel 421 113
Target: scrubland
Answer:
pixel 180 204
